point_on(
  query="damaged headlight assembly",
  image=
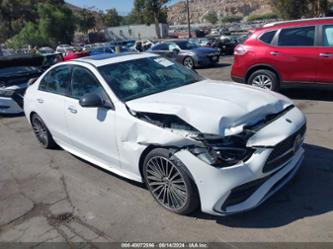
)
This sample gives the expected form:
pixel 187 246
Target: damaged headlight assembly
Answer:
pixel 215 150
pixel 223 151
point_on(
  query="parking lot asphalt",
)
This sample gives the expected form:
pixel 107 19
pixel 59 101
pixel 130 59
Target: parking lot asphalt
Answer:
pixel 50 195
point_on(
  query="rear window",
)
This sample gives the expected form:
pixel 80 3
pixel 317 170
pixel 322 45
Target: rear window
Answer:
pixel 267 37
pixel 303 36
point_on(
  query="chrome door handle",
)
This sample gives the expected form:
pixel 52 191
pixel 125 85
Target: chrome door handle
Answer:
pixel 40 101
pixel 274 53
pixel 72 109
pixel 325 55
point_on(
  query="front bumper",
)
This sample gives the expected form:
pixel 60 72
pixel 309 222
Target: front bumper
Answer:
pixel 9 106
pixel 216 185
pixel 13 103
pixel 206 60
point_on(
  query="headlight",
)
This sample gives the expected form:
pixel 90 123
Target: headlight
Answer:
pixel 6 93
pixel 224 152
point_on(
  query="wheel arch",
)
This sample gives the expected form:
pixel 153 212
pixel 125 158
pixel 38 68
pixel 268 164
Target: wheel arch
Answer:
pixel 260 67
pixel 152 147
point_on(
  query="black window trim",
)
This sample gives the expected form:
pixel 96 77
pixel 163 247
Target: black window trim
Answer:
pixel 321 35
pixel 273 39
pixel 68 81
pixel 69 95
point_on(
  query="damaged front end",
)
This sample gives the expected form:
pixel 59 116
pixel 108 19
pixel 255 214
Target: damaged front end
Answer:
pixel 215 150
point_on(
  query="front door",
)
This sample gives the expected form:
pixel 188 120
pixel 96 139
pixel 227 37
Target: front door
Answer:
pixel 92 130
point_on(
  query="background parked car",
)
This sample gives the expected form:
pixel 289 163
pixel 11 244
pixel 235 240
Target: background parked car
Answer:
pixel 187 53
pixel 46 50
pixel 15 72
pixel 286 53
pixel 226 44
pixel 101 50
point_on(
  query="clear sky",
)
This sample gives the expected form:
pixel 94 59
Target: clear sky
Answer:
pixel 122 6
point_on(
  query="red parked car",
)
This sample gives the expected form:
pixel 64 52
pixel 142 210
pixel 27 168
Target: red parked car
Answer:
pixel 285 53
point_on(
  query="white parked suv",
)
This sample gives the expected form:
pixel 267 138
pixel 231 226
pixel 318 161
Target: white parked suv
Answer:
pixel 195 142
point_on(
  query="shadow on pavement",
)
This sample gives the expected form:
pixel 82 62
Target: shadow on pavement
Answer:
pixel 12 115
pixel 308 194
pixel 308 93
pixel 218 65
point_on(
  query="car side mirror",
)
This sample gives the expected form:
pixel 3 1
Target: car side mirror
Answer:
pixel 176 51
pixel 91 100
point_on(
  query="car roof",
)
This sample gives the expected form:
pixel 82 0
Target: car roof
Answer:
pixel 105 59
pixel 300 22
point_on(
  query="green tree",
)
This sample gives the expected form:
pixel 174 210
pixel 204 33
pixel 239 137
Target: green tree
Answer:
pixel 264 16
pixel 231 19
pixel 290 9
pixel 212 17
pixel 157 9
pixel 112 18
pixel 137 15
pixel 318 7
pixel 14 14
pixel 85 20
pixel 56 24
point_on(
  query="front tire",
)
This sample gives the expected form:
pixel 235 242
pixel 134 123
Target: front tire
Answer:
pixel 42 133
pixel 265 79
pixel 188 62
pixel 168 181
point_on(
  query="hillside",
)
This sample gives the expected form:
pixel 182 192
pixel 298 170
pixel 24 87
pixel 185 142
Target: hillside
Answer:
pixel 199 8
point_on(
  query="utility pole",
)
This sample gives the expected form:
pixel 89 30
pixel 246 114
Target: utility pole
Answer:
pixel 188 18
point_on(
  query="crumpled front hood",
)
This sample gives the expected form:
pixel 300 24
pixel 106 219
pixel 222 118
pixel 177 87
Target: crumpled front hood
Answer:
pixel 214 107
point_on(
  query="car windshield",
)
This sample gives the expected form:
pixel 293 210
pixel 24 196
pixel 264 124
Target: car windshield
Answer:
pixel 186 45
pixel 12 71
pixel 142 77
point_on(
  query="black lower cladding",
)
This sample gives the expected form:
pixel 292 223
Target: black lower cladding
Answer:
pixel 243 192
pixel 283 151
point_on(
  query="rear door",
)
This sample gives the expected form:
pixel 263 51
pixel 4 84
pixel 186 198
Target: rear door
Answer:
pixel 325 55
pixel 92 130
pixel 294 55
pixel 50 101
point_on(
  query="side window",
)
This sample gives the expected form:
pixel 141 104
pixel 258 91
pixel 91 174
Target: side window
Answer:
pixel 173 46
pixel 56 81
pixel 304 36
pixel 328 36
pixel 83 82
pixel 162 46
pixel 267 37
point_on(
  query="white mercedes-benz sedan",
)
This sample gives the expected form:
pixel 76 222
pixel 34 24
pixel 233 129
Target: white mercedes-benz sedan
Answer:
pixel 195 142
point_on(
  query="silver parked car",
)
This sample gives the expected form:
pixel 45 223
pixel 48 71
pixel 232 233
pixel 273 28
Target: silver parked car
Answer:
pixel 187 53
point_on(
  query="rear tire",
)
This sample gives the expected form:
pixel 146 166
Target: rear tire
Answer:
pixel 168 181
pixel 42 133
pixel 265 79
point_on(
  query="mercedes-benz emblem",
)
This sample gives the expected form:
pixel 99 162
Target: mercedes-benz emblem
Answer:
pixel 297 143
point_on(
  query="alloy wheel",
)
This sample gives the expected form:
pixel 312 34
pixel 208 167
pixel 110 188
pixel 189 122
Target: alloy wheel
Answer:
pixel 262 81
pixel 166 183
pixel 40 131
pixel 188 62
